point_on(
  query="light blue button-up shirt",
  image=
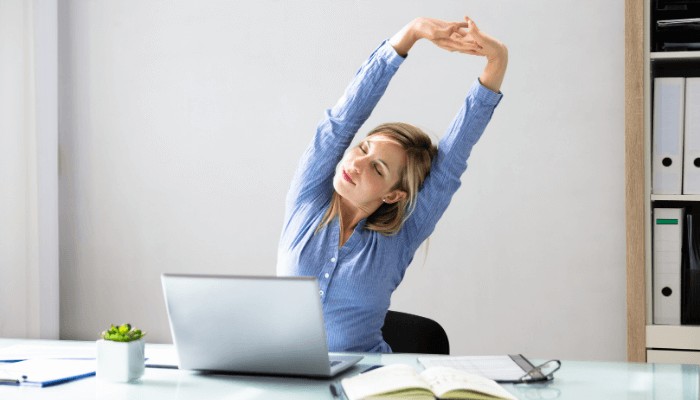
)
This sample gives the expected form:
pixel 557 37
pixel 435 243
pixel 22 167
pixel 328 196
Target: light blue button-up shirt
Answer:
pixel 357 280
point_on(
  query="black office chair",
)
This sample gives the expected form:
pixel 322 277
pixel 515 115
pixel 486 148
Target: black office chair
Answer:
pixel 408 333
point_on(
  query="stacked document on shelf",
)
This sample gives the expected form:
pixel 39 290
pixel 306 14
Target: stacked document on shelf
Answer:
pixel 691 156
pixel 676 266
pixel 676 136
pixel 681 46
pixel 667 263
pixel 667 138
pixel 681 22
pixel 45 371
pixel 690 270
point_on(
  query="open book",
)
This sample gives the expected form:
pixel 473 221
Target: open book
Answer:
pixel 403 381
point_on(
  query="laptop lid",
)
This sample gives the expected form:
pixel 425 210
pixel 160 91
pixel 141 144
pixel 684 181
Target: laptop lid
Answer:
pixel 249 324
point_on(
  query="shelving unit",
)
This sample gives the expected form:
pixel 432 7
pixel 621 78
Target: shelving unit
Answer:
pixel 648 342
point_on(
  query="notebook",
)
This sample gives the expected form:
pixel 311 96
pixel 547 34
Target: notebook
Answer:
pixel 248 324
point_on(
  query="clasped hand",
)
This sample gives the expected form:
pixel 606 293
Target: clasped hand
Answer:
pixel 463 37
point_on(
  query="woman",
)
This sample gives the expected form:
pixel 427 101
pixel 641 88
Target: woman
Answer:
pixel 355 221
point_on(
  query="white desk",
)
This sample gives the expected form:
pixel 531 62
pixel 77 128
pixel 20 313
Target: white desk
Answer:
pixel 577 380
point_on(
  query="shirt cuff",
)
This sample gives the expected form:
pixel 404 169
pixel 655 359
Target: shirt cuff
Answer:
pixel 484 94
pixel 388 53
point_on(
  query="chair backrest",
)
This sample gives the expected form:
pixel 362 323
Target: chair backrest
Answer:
pixel 409 333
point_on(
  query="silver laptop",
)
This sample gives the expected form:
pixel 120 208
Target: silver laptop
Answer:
pixel 246 324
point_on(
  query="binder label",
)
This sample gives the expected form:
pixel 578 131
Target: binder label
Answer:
pixel 666 221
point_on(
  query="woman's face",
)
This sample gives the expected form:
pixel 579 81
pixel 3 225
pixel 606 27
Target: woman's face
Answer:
pixel 368 172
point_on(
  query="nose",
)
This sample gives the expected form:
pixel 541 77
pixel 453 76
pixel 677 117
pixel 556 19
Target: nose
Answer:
pixel 358 163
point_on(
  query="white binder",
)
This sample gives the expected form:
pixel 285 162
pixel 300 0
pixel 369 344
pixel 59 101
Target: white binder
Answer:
pixel 691 156
pixel 667 132
pixel 667 249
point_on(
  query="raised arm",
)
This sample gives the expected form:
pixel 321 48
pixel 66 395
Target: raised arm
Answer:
pixel 469 123
pixel 313 180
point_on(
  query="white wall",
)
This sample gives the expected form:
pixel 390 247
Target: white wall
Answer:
pixel 181 124
pixel 29 242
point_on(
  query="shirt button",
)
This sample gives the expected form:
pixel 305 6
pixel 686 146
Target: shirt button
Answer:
pixel 333 259
pixel 320 292
pixel 327 275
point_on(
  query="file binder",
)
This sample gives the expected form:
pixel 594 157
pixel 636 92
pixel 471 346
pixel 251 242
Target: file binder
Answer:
pixel 667 132
pixel 690 274
pixel 691 156
pixel 667 260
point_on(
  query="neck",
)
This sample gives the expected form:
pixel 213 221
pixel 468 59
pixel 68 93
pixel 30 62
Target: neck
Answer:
pixel 351 214
pixel 349 218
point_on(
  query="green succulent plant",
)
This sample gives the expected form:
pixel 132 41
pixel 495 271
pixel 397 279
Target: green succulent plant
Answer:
pixel 122 333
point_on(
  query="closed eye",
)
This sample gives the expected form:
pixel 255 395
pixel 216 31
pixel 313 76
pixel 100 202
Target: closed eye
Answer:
pixel 364 147
pixel 376 168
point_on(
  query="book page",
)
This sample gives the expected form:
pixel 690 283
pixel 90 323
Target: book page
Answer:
pixel 399 380
pixel 445 382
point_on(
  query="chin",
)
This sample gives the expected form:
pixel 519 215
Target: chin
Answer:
pixel 338 185
pixel 342 188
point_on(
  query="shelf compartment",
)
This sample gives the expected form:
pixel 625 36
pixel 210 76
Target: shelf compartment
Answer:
pixel 670 337
pixel 675 197
pixel 673 357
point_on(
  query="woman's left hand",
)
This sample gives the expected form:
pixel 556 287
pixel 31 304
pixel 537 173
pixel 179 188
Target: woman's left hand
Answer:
pixel 471 40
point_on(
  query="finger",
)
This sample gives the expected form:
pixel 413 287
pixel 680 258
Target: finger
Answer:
pixel 463 40
pixel 472 48
pixel 472 24
pixel 459 36
pixel 462 47
pixel 451 29
pixel 457 40
pixel 460 40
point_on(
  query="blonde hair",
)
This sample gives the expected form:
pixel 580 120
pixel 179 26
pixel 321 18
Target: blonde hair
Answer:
pixel 420 152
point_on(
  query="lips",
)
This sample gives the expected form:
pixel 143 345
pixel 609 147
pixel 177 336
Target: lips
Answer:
pixel 347 177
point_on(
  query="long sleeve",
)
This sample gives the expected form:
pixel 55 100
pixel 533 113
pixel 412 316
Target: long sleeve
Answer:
pixel 451 162
pixel 356 280
pixel 312 182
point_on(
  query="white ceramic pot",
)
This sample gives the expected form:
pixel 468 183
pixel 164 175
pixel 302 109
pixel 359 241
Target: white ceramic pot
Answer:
pixel 120 361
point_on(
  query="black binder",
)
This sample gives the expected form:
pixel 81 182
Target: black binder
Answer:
pixel 690 272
